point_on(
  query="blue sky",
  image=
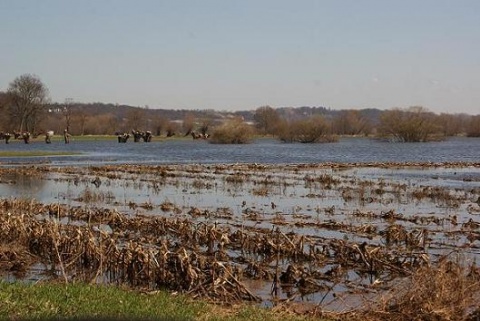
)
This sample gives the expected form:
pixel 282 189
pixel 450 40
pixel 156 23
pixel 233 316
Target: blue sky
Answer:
pixel 232 55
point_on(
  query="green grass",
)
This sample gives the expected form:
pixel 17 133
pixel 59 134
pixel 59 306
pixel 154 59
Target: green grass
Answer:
pixel 87 138
pixel 73 301
pixel 114 138
pixel 40 301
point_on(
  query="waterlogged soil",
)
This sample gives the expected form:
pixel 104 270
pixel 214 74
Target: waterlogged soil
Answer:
pixel 335 235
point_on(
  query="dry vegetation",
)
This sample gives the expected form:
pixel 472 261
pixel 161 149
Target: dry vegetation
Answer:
pixel 447 291
pixel 212 253
pixel 232 132
pixel 312 130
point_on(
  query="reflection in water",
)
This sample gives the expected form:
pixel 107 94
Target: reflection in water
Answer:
pixel 21 186
pixel 354 205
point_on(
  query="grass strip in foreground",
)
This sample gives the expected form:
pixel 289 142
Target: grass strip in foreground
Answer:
pixel 75 301
pixel 53 300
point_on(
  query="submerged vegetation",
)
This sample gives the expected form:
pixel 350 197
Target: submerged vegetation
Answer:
pixel 333 240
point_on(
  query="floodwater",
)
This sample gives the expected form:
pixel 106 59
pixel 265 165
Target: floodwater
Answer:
pixel 260 151
pixel 350 203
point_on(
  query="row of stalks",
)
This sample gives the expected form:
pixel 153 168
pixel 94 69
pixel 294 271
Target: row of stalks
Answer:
pixel 205 259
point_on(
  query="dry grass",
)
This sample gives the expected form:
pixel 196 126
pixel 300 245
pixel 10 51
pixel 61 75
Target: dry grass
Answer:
pixel 232 132
pixel 207 258
pixel 448 291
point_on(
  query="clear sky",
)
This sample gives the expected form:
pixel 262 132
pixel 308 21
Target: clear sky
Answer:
pixel 242 54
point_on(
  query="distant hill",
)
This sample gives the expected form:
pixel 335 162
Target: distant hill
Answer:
pixel 290 113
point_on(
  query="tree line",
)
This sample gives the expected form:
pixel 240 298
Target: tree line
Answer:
pixel 26 107
pixel 413 124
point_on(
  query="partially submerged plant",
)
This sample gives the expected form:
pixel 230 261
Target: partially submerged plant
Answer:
pixel 449 290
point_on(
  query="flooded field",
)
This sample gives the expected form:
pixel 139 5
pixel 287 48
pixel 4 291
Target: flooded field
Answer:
pixel 263 151
pixel 331 234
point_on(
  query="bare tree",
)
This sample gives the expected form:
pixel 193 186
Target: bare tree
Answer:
pixel 28 97
pixel 449 124
pixel 136 118
pixel 81 118
pixel 110 125
pixel 473 126
pixel 159 124
pixel 315 129
pixel 266 119
pixel 350 122
pixel 415 124
pixel 188 123
pixel 172 128
pixel 68 112
pixel 5 119
pixel 205 124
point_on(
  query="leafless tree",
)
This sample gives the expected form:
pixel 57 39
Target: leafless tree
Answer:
pixel 81 118
pixel 266 119
pixel 350 122
pixel 68 112
pixel 205 124
pixel 5 119
pixel 452 125
pixel 172 128
pixel 188 124
pixel 473 126
pixel 415 124
pixel 28 97
pixel 315 129
pixel 159 124
pixel 136 118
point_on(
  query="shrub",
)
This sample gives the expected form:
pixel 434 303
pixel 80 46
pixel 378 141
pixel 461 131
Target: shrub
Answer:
pixel 312 130
pixel 415 124
pixel 448 291
pixel 232 132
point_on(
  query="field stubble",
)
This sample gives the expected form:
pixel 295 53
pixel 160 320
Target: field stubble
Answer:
pixel 334 238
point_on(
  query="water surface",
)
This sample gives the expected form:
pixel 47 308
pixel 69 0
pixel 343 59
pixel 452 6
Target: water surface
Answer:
pixel 260 151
